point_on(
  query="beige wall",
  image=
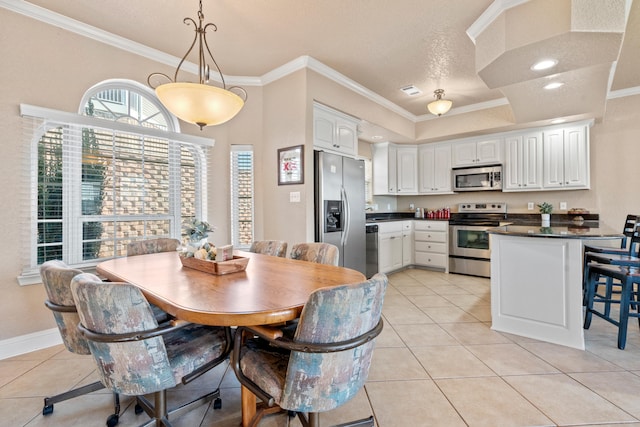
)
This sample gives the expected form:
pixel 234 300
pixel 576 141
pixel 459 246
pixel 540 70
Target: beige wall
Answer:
pixel 52 68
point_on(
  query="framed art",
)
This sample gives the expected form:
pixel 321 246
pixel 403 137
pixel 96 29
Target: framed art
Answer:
pixel 291 165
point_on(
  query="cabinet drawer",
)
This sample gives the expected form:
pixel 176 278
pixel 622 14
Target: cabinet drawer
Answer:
pixel 431 225
pixel 430 236
pixel 440 248
pixel 431 259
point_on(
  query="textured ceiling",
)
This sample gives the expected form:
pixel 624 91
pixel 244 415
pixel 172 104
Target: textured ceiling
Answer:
pixel 381 44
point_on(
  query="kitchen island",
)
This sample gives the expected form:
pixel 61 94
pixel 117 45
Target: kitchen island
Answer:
pixel 536 280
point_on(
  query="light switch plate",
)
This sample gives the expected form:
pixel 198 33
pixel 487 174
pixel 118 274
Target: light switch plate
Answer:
pixel 294 197
pixel 530 206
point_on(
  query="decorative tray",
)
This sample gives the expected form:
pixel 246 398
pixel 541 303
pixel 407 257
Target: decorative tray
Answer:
pixel 234 265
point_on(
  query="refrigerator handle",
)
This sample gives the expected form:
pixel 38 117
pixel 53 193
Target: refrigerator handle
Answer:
pixel 347 212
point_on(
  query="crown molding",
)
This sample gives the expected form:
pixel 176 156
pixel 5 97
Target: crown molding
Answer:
pixel 489 15
pixel 630 91
pixel 467 109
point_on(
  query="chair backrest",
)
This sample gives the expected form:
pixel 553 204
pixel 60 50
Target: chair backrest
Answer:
pixel 56 278
pixel 132 367
pixel 269 247
pixel 333 315
pixel 152 246
pixel 322 253
pixel 628 229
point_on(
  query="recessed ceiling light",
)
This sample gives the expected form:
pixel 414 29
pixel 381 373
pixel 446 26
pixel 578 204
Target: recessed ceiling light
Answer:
pixel 377 137
pixel 411 90
pixel 557 121
pixel 553 85
pixel 544 64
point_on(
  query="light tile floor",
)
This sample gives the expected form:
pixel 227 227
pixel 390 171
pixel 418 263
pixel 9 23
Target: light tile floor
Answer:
pixel 437 363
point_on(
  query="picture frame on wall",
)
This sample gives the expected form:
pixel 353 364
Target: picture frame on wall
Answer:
pixel 291 165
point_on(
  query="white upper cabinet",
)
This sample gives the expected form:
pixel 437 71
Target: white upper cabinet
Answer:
pixel 334 131
pixel 395 169
pixel 407 169
pixel 566 158
pixel 475 152
pixel 523 162
pixel 434 168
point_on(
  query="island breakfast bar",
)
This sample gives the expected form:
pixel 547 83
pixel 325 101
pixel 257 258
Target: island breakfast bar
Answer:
pixel 536 280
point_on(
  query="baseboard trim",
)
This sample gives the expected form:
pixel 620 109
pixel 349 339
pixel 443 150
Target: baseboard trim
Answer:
pixel 30 342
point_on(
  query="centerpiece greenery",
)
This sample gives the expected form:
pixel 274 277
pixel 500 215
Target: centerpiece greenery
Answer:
pixel 545 208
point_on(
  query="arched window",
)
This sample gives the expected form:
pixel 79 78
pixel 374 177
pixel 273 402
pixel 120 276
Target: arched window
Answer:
pixel 119 171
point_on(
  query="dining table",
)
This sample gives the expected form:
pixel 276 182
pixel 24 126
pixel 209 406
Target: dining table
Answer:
pixel 270 290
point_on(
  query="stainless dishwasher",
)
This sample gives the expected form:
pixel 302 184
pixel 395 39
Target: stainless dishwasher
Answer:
pixel 372 249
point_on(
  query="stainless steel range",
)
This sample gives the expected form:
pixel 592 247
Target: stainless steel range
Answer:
pixel 469 244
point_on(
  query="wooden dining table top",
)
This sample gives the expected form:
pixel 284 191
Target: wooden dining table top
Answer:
pixel 270 290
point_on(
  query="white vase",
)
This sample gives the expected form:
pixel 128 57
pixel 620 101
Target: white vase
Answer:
pixel 546 219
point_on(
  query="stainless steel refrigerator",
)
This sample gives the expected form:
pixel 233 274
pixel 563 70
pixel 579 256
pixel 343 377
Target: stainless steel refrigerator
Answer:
pixel 339 207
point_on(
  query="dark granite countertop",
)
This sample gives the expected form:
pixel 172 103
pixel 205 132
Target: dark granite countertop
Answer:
pixel 562 231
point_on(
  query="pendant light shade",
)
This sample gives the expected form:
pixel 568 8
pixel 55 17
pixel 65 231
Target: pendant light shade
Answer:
pixel 439 106
pixel 199 103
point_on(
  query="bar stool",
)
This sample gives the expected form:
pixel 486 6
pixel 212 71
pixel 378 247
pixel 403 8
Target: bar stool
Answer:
pixel 612 256
pixel 627 231
pixel 628 277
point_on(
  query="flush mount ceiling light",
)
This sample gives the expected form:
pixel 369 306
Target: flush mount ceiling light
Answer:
pixel 439 106
pixel 199 103
pixel 544 64
pixel 553 85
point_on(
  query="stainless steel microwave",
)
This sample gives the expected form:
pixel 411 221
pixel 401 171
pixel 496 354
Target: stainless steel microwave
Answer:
pixel 479 178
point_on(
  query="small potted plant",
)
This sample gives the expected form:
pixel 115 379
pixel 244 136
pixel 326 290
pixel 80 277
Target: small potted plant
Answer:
pixel 545 211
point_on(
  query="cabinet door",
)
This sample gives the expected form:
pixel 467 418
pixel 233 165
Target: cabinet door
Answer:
pixel 407 243
pixel 346 136
pixel 523 165
pixel 389 252
pixel 384 162
pixel 407 169
pixel 323 129
pixel 464 154
pixel 426 165
pixel 489 151
pixel 553 159
pixel 442 168
pixel 576 158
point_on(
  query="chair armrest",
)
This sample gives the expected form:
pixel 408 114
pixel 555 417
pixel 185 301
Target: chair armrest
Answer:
pixel 306 347
pixel 170 326
pixel 60 308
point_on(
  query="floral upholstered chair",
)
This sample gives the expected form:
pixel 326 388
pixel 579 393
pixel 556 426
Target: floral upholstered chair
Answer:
pixel 152 246
pixel 135 356
pixel 269 247
pixel 322 253
pixel 56 277
pixel 325 363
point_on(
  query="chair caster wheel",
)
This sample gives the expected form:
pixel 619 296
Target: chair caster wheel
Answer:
pixel 47 410
pixel 112 421
pixel 138 409
pixel 217 404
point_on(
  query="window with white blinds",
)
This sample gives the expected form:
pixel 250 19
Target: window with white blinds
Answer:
pixel 241 195
pixel 101 183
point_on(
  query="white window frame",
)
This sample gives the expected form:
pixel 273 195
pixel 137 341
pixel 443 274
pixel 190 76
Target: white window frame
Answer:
pixel 52 119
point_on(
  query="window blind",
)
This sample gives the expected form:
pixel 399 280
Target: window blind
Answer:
pixel 242 208
pixel 102 184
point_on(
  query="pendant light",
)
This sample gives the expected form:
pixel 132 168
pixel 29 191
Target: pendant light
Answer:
pixel 199 103
pixel 439 106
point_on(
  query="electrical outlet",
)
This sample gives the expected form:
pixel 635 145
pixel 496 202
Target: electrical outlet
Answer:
pixel 530 206
pixel 563 206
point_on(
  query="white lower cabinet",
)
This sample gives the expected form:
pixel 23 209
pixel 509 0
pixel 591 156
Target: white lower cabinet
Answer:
pixel 390 246
pixel 431 242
